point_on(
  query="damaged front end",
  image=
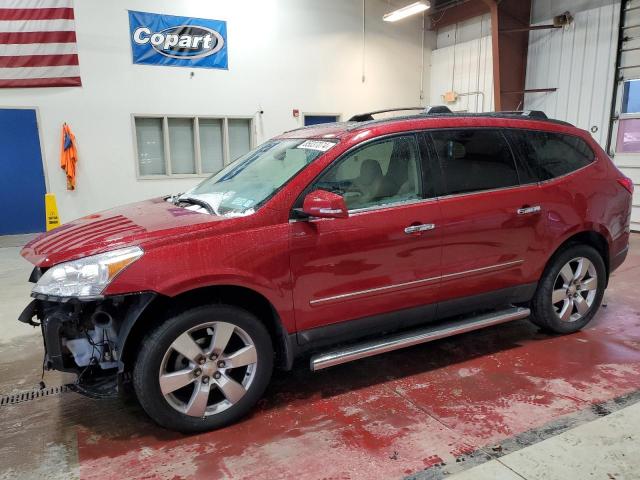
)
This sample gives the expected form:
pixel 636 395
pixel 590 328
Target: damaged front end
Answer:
pixel 83 329
pixel 87 337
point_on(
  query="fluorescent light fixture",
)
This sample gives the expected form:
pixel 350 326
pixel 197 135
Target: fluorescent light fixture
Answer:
pixel 407 11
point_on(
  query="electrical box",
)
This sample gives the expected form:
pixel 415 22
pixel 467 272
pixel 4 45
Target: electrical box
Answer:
pixel 450 97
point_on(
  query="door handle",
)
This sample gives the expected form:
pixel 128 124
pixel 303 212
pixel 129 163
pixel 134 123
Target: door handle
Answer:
pixel 419 228
pixel 527 210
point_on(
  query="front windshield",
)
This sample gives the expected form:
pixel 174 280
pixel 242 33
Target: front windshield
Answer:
pixel 242 186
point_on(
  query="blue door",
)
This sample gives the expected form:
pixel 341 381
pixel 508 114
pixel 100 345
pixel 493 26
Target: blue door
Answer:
pixel 22 185
pixel 317 119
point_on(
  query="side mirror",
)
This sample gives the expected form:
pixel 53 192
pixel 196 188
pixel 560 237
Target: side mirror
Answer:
pixel 323 204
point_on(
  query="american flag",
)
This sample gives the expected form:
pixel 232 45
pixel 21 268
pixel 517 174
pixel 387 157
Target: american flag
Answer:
pixel 38 44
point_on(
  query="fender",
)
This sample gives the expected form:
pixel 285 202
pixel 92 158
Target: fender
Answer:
pixel 284 327
pixel 583 228
pixel 129 319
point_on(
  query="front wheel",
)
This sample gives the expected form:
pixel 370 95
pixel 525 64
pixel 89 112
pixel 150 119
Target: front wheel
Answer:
pixel 570 291
pixel 204 368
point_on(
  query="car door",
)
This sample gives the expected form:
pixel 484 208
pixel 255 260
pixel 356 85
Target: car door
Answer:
pixel 349 274
pixel 493 227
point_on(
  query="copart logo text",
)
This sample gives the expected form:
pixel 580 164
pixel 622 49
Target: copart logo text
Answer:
pixel 183 41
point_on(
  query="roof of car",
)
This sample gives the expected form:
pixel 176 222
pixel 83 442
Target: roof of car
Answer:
pixel 340 129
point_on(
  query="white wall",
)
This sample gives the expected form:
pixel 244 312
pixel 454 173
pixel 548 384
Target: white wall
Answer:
pixel 461 32
pixel 283 54
pixel 578 60
pixel 462 62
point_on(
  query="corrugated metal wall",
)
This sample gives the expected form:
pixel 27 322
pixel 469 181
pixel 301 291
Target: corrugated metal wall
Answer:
pixel 578 60
pixel 462 62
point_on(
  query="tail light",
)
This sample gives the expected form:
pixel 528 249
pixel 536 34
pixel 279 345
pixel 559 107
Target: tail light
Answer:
pixel 626 183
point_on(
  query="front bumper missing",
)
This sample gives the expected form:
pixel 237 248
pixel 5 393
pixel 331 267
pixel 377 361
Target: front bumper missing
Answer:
pixel 66 324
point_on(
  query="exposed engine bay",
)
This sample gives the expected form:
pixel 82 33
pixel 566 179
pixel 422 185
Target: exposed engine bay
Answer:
pixel 86 337
pixel 93 346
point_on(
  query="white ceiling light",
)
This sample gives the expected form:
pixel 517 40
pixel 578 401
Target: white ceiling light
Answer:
pixel 407 11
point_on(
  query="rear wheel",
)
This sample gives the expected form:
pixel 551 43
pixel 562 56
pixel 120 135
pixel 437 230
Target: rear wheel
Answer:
pixel 570 291
pixel 203 368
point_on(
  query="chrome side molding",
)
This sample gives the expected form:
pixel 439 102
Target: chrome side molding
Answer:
pixel 415 337
pixel 384 289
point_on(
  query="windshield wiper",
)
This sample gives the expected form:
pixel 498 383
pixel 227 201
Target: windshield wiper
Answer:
pixel 173 198
pixel 200 203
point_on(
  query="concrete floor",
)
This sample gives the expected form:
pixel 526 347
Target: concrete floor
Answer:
pixel 507 402
pixel 14 272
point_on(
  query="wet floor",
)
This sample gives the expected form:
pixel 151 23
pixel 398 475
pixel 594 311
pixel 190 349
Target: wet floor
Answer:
pixel 424 411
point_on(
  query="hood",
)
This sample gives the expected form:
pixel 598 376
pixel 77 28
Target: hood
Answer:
pixel 132 224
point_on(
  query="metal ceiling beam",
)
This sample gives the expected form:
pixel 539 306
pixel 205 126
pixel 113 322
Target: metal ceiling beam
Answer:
pixel 510 25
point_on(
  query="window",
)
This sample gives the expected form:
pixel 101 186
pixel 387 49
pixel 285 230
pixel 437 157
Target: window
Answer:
pixel 628 138
pixel 318 119
pixel 381 173
pixel 631 97
pixel 188 146
pixel 241 187
pixel 474 160
pixel 150 146
pixel 550 155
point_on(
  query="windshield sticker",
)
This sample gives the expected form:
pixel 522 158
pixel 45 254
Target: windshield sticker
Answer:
pixel 239 201
pixel 316 145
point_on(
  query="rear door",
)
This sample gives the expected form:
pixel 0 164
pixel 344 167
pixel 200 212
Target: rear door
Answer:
pixel 383 258
pixel 493 227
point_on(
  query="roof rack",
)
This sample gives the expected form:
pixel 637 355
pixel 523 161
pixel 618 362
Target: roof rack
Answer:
pixel 443 111
pixel 536 114
pixel 368 116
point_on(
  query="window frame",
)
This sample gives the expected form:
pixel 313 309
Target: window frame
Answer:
pixel 442 181
pixel 421 151
pixel 226 160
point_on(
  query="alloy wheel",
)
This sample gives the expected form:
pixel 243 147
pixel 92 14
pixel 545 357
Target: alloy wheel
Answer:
pixel 575 289
pixel 208 369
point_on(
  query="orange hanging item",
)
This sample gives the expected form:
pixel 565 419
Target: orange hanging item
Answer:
pixel 69 156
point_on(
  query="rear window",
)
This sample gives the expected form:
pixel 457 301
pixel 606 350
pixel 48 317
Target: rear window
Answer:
pixel 474 159
pixel 548 155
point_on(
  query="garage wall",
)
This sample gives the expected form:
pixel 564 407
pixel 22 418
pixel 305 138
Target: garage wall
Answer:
pixel 579 61
pixel 462 62
pixel 542 10
pixel 283 54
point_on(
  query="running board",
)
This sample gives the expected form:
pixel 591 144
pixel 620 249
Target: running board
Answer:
pixel 415 337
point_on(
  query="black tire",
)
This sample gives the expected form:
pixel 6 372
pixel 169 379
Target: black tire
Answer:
pixel 158 342
pixel 543 312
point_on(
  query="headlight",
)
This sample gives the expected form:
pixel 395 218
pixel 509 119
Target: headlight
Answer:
pixel 86 277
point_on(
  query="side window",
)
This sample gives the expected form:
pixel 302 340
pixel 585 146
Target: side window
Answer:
pixel 380 173
pixel 553 154
pixel 474 159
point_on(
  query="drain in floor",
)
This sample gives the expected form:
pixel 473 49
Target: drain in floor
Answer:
pixel 29 395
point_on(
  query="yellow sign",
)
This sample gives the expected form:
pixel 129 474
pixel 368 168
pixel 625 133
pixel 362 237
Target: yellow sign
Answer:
pixel 51 211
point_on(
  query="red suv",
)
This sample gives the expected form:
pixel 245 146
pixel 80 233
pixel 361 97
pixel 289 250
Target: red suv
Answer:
pixel 333 242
